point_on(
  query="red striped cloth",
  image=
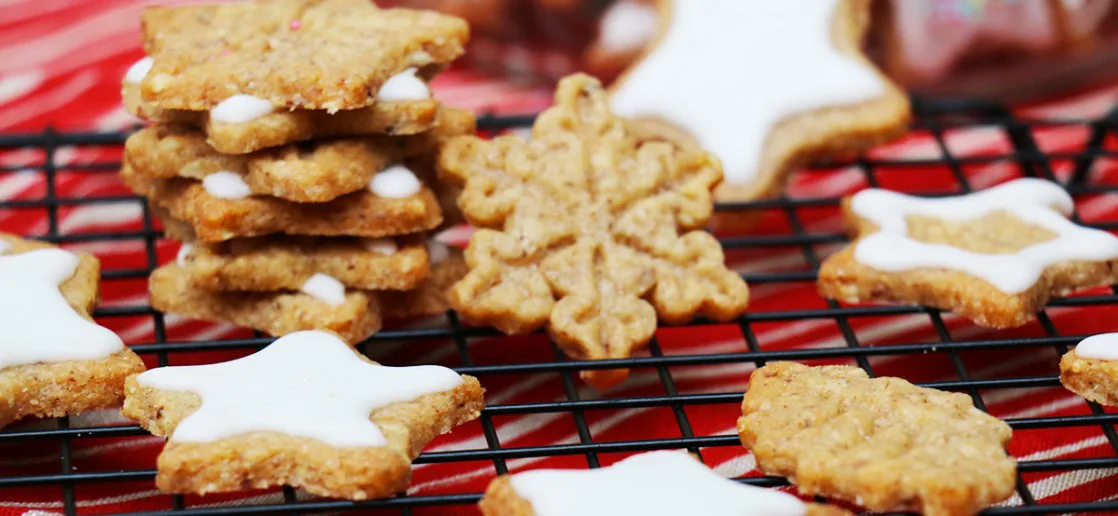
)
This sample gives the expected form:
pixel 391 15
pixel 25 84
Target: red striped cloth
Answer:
pixel 61 66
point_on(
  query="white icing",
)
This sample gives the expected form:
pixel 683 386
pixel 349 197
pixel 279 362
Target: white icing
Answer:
pixel 39 324
pixel 437 252
pixel 661 483
pixel 784 62
pixel 241 108
pixel 395 182
pixel 307 384
pixel 1032 201
pixel 627 25
pixel 138 71
pixel 404 86
pixel 1103 346
pixel 184 250
pixel 226 185
pixel 325 288
pixel 382 246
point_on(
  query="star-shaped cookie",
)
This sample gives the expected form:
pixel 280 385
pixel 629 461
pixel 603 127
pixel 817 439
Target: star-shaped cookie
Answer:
pixel 54 360
pixel 588 231
pixel 307 411
pixel 994 256
pixel 764 86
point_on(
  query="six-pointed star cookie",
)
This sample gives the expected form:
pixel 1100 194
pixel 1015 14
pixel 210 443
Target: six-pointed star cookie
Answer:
pixel 763 86
pixel 661 483
pixel 994 256
pixel 54 360
pixel 883 443
pixel 306 411
pixel 1091 369
pixel 589 231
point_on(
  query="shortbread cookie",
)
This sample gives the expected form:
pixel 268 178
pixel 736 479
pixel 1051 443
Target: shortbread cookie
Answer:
pixel 1091 369
pixel 294 54
pixel 429 298
pixel 994 257
pixel 882 443
pixel 659 483
pixel 322 303
pixel 55 361
pixel 624 30
pixel 306 411
pixel 222 207
pixel 762 112
pixel 588 231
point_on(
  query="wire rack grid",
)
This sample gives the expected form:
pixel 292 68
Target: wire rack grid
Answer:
pixel 936 117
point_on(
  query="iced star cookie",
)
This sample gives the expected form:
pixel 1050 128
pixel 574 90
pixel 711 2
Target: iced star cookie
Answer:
pixel 659 483
pixel 588 231
pixel 54 360
pixel 762 112
pixel 882 443
pixel 306 411
pixel 994 257
pixel 328 55
pixel 1091 369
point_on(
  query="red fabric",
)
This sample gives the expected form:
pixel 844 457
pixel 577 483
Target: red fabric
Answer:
pixel 61 67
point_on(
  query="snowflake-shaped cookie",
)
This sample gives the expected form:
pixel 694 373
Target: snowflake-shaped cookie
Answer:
pixel 589 231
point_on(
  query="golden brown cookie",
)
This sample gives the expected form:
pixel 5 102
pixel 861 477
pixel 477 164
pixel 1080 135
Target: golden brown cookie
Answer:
pixel 297 54
pixel 588 231
pixel 429 298
pixel 1091 369
pixel 994 257
pixel 306 411
pixel 62 363
pixel 882 443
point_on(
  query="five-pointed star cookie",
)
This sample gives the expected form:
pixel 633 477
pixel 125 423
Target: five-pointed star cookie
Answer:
pixel 306 411
pixel 54 360
pixel 588 231
pixel 660 483
pixel 883 443
pixel 994 256
pixel 763 86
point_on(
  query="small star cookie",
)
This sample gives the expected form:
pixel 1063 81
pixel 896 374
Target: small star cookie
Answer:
pixel 994 257
pixel 588 231
pixel 883 443
pixel 55 361
pixel 306 411
pixel 1091 369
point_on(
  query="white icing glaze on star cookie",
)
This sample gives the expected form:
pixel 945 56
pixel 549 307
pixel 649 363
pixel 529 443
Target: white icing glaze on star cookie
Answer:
pixel 40 325
pixel 404 86
pixel 1103 346
pixel 395 182
pixel 184 251
pixel 138 71
pixel 306 384
pixel 661 483
pixel 382 246
pixel 726 71
pixel 627 25
pixel 325 288
pixel 241 108
pixel 226 185
pixel 1033 201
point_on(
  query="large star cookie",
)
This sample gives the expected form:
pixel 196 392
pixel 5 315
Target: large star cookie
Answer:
pixel 662 483
pixel 994 256
pixel 306 411
pixel 54 360
pixel 883 443
pixel 588 231
pixel 764 86
pixel 1091 369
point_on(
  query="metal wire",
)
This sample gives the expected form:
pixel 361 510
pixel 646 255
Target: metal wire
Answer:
pixel 933 116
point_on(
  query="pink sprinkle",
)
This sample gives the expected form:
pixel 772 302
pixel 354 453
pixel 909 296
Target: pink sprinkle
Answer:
pixel 225 52
pixel 295 24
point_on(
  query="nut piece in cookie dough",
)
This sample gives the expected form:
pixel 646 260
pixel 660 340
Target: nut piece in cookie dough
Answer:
pixel 588 231
pixel 994 256
pixel 55 360
pixel 659 483
pixel 1091 369
pixel 306 411
pixel 883 443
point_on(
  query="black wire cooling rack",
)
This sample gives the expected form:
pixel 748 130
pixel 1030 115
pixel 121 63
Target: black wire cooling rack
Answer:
pixel 935 117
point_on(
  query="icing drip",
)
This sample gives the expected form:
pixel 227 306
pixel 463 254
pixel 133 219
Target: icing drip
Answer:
pixel 138 71
pixel 395 182
pixel 241 108
pixel 404 86
pixel 226 185
pixel 325 288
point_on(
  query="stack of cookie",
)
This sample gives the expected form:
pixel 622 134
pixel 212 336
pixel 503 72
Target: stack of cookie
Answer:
pixel 292 154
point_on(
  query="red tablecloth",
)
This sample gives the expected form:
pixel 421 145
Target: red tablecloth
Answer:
pixel 61 63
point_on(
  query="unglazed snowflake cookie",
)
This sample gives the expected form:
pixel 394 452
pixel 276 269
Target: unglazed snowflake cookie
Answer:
pixel 1091 369
pixel 54 360
pixel 307 411
pixel 588 231
pixel 994 257
pixel 882 443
